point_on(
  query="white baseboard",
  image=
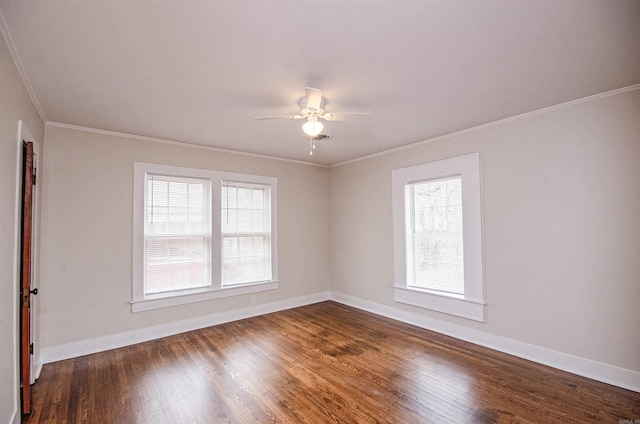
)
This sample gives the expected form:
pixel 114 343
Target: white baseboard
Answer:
pixel 621 377
pixel 36 374
pixel 100 344
pixel 609 374
pixel 15 417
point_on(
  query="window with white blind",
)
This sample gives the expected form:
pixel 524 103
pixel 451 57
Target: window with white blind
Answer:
pixel 177 234
pixel 246 247
pixel 438 238
pixel 201 234
pixel 435 257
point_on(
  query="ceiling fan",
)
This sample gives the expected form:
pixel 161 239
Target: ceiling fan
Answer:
pixel 312 110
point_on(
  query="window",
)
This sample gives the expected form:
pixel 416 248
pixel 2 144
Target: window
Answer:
pixel 434 235
pixel 245 233
pixel 177 242
pixel 200 235
pixel 437 237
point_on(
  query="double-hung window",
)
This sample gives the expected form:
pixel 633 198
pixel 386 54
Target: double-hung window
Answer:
pixel 434 242
pixel 201 234
pixel 246 229
pixel 177 228
pixel 437 236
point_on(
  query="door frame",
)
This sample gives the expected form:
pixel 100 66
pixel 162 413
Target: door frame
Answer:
pixel 25 135
pixel 36 365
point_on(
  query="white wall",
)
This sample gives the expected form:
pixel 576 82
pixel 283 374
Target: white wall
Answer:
pixel 15 105
pixel 561 223
pixel 86 235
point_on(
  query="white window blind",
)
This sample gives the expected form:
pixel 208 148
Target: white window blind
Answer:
pixel 177 233
pixel 434 235
pixel 246 233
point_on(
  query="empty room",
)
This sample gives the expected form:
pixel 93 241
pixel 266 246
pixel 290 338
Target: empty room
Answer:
pixel 320 211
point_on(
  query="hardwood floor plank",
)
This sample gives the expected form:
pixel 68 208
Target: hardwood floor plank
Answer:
pixel 322 363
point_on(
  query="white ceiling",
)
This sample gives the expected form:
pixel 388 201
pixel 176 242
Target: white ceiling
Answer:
pixel 199 71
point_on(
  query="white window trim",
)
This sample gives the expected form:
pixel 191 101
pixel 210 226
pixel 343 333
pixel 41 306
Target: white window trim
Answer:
pixel 216 291
pixel 471 305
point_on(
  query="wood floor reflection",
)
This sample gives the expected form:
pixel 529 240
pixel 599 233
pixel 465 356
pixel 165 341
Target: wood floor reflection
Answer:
pixel 323 363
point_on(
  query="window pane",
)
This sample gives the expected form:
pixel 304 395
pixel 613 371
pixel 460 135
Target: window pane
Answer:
pixel 244 198
pixel 244 221
pixel 258 198
pixel 245 246
pixel 229 221
pixel 159 192
pixel 175 263
pixel 245 259
pixel 232 197
pixel 196 196
pixel 246 252
pixel 177 234
pixel 158 218
pixel 230 247
pixel 257 220
pixel 434 235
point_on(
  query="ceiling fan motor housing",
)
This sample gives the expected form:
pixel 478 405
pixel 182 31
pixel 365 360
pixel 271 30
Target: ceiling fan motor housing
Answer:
pixel 305 111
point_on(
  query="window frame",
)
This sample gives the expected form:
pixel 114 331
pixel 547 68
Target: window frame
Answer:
pixel 471 304
pixel 140 301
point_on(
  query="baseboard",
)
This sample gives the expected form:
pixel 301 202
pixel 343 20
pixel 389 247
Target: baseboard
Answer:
pixel 621 377
pixel 100 344
pixel 16 417
pixel 625 378
pixel 36 374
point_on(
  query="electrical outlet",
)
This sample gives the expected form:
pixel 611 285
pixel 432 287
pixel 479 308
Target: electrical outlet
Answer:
pixel 253 300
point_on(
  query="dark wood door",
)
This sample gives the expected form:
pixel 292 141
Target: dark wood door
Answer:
pixel 25 293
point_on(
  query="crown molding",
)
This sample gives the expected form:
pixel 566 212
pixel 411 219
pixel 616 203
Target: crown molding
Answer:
pixel 178 143
pixel 382 153
pixel 494 123
pixel 4 29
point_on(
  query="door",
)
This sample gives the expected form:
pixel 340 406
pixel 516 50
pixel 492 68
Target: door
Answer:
pixel 28 181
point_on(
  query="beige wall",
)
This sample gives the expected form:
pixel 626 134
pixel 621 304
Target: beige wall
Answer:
pixel 14 105
pixel 561 224
pixel 87 232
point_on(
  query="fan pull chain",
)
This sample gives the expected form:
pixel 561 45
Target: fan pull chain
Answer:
pixel 312 146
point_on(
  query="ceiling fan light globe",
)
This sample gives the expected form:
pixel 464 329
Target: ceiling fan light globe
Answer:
pixel 312 128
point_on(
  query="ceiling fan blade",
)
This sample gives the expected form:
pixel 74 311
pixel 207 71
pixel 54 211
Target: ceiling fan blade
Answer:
pixel 279 117
pixel 314 98
pixel 346 116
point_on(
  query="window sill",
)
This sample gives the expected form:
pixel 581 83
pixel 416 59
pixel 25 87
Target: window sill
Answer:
pixel 448 304
pixel 200 295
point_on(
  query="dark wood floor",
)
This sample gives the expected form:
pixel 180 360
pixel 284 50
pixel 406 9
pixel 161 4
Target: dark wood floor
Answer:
pixel 324 363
